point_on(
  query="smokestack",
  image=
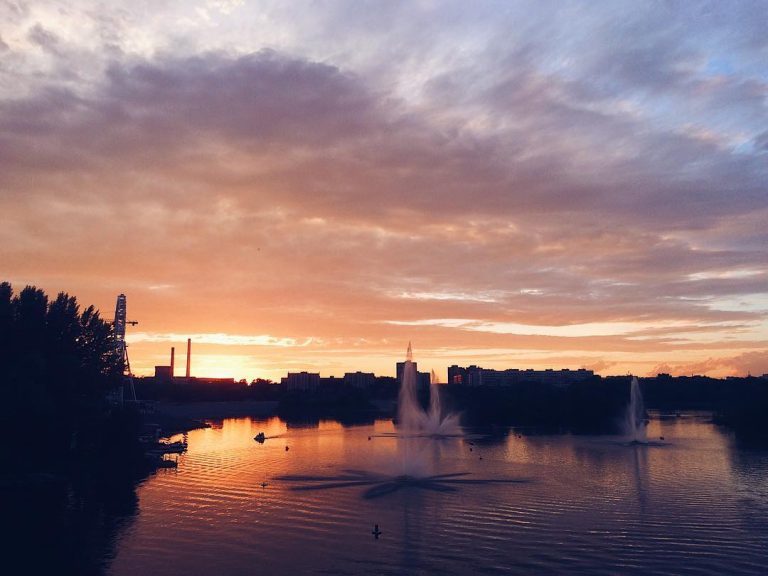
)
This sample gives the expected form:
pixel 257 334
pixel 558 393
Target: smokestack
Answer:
pixel 189 354
pixel 173 356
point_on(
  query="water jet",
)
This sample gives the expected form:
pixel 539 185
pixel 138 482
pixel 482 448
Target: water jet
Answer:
pixel 634 422
pixel 412 419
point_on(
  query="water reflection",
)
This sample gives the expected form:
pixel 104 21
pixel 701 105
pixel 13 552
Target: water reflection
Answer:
pixel 381 485
pixel 640 469
pixel 533 504
pixel 749 467
pixel 67 524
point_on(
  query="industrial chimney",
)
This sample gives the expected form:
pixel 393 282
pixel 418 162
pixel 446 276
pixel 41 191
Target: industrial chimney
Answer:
pixel 189 354
pixel 173 358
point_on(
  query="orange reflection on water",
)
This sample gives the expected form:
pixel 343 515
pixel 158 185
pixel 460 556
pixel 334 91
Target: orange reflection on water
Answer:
pixel 234 504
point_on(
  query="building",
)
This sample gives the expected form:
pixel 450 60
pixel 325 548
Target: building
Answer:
pixel 459 375
pixel 400 368
pixel 163 374
pixel 477 376
pixel 208 381
pixel 423 379
pixel 301 382
pixel 330 382
pixel 364 380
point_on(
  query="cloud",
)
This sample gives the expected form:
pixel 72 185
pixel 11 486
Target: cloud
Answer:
pixel 600 367
pixel 630 330
pixel 761 142
pixel 219 339
pixel 754 363
pixel 594 179
pixel 272 120
pixel 44 39
pixel 452 296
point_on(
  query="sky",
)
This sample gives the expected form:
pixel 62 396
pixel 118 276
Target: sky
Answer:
pixel 312 185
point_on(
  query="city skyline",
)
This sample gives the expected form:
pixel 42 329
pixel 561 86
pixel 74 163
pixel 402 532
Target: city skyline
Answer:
pixel 570 185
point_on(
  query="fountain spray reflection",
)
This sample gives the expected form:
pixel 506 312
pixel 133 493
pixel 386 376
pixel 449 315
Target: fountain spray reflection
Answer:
pixel 381 484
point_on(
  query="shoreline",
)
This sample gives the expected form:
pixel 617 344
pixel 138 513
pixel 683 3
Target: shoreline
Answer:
pixel 179 417
pixel 212 410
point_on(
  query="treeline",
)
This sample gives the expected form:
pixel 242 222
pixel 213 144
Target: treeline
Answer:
pixel 333 402
pixel 57 364
pixel 665 392
pixel 66 469
pixel 194 390
pixel 739 403
pixel 598 405
pixel 149 388
pixel 592 406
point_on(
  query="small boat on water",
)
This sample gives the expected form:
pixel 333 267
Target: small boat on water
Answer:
pixel 165 447
pixel 172 447
pixel 260 437
pixel 158 459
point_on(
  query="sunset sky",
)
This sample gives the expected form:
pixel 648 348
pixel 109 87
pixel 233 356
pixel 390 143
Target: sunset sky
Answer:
pixel 310 185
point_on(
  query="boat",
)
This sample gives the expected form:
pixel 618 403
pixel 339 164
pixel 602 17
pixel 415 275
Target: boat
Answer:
pixel 172 447
pixel 165 447
pixel 260 437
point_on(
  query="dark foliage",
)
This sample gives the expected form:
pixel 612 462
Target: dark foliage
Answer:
pixel 666 392
pixel 68 476
pixel 744 408
pixel 592 406
pixel 739 403
pixel 182 390
pixel 57 365
pixel 333 402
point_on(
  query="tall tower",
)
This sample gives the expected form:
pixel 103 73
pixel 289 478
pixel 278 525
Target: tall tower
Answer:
pixel 119 324
pixel 121 347
pixel 189 355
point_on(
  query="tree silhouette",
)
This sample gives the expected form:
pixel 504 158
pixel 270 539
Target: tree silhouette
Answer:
pixel 56 363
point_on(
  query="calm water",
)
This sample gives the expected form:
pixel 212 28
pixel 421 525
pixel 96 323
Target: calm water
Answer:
pixel 576 505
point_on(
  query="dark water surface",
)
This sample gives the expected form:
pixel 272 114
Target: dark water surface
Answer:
pixel 559 504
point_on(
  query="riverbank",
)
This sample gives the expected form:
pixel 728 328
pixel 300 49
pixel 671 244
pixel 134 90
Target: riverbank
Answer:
pixel 178 417
pixel 217 410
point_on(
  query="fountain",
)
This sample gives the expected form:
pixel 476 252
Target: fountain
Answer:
pixel 419 464
pixel 634 424
pixel 412 419
pixel 415 425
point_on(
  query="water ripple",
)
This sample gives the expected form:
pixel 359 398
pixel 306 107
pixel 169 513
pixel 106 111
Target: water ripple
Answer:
pixel 543 505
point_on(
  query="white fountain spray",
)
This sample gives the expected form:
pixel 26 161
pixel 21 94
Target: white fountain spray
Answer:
pixel 412 420
pixel 409 413
pixel 635 417
pixel 415 426
pixel 434 413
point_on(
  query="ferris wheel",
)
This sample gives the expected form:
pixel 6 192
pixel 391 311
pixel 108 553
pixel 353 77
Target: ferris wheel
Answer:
pixel 121 346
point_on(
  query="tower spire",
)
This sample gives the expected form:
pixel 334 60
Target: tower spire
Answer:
pixel 409 353
pixel 189 356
